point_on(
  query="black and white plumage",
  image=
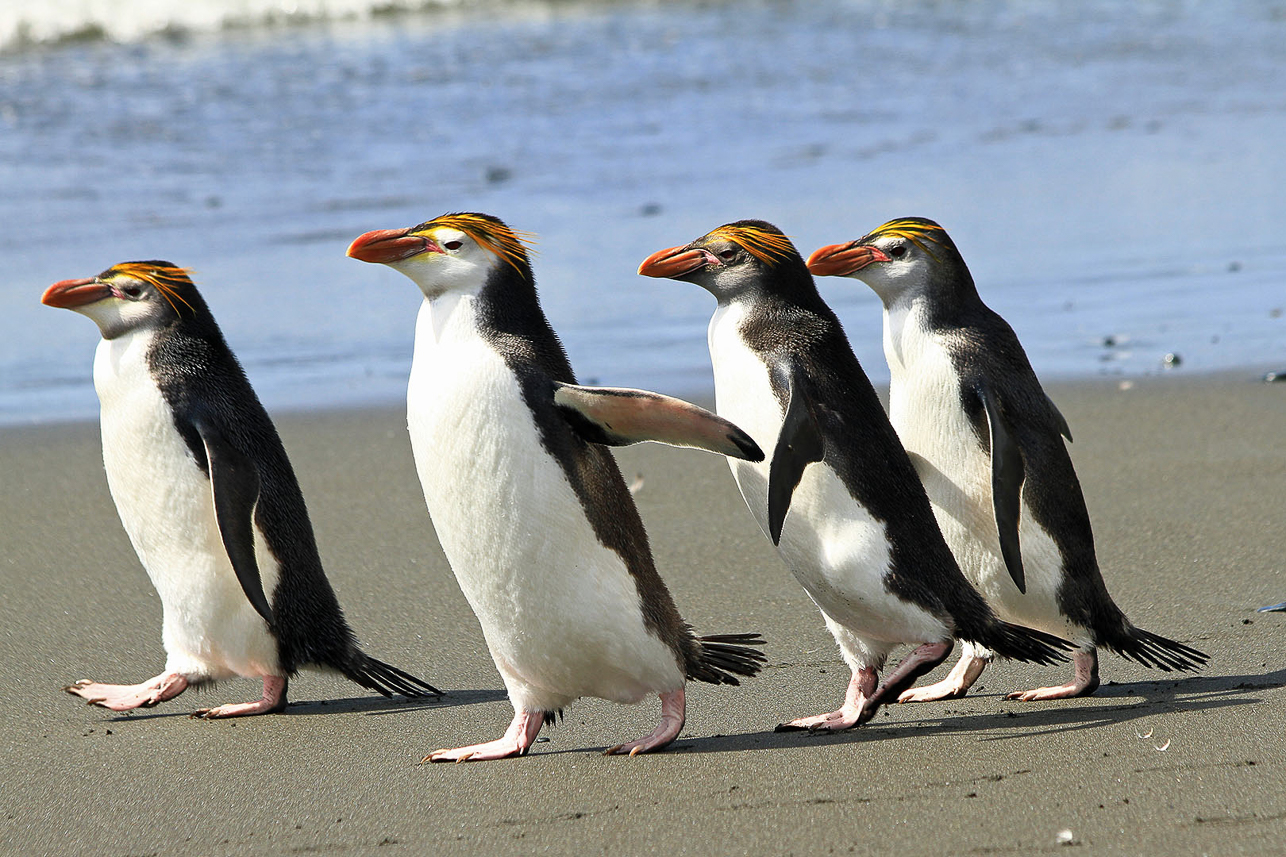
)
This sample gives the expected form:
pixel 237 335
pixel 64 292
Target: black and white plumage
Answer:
pixel 531 510
pixel 839 497
pixel 209 500
pixel 989 445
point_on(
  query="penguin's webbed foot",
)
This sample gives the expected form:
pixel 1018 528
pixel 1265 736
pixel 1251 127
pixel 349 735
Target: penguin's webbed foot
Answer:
pixel 954 686
pixel 1084 682
pixel 855 710
pixel 127 697
pixel 832 721
pixel 274 700
pixel 516 741
pixel 673 713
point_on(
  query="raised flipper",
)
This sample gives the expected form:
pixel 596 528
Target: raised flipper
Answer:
pixel 234 483
pixel 619 417
pixel 1006 486
pixel 799 444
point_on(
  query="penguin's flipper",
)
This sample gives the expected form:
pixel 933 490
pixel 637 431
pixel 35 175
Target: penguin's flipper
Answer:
pixel 1059 420
pixel 234 482
pixel 799 444
pixel 618 417
pixel 1006 486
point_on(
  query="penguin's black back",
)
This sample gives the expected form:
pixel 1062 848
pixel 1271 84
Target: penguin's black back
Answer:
pixel 512 320
pixel 985 351
pixel 202 381
pixel 788 319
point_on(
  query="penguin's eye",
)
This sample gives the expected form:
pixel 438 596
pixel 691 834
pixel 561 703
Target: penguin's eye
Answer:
pixel 453 245
pixel 898 251
pixel 726 255
pixel 133 291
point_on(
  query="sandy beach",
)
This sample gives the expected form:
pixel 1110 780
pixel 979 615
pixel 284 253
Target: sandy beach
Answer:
pixel 1184 479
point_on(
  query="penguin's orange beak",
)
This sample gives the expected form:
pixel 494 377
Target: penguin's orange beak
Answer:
pixel 842 260
pixel 391 245
pixel 69 294
pixel 676 261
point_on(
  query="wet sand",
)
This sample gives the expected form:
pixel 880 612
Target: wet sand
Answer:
pixel 1184 478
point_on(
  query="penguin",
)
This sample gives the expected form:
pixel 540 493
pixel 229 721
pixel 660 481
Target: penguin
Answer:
pixel 839 497
pixel 205 491
pixel 530 508
pixel 988 443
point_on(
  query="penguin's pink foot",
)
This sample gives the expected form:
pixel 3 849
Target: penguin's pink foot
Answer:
pixel 1083 683
pixel 673 707
pixel 274 699
pixel 516 741
pixel 126 697
pixel 954 686
pixel 860 689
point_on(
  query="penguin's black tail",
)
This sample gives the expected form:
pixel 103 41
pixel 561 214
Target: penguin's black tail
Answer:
pixel 722 657
pixel 1024 644
pixel 1153 650
pixel 384 678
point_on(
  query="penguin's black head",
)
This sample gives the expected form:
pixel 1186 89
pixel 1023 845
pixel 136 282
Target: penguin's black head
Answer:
pixel 130 296
pixel 903 259
pixel 460 253
pixel 749 256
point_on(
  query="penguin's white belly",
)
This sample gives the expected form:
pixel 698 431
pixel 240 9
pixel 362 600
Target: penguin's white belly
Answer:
pixel 165 503
pixel 560 612
pixel 833 546
pixel 926 411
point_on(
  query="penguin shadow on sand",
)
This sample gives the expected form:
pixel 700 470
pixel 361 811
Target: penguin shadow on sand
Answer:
pixel 370 705
pixel 1114 704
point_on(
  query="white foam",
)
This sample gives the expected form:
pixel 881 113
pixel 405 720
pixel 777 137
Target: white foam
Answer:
pixel 130 20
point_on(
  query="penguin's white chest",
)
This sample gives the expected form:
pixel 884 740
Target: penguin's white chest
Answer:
pixel 166 506
pixel 838 552
pixel 560 612
pixel 927 411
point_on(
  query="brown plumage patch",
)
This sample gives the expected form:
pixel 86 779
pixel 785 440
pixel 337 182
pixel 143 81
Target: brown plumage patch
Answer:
pixel 768 247
pixel 510 245
pixel 166 280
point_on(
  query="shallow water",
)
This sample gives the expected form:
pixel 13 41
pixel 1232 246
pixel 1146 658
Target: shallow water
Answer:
pixel 1111 176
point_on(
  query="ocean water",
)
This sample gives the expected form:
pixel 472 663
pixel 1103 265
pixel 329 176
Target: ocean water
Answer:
pixel 1113 173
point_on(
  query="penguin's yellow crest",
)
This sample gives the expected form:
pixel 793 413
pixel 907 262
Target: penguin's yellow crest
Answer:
pixel 509 244
pixel 915 231
pixel 165 279
pixel 768 247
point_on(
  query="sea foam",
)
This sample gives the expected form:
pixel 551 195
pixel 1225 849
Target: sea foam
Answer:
pixel 25 25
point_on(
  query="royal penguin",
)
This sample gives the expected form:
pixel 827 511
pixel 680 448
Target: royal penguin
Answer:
pixel 209 501
pixel 528 504
pixel 839 497
pixel 989 445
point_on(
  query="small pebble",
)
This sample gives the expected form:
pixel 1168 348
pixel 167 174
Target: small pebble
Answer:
pixel 1065 837
pixel 1275 377
pixel 1171 360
